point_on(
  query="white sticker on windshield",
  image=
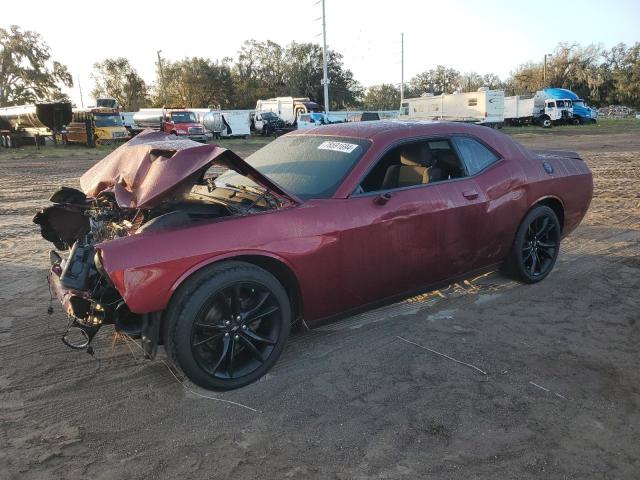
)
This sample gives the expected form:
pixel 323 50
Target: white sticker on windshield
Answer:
pixel 338 146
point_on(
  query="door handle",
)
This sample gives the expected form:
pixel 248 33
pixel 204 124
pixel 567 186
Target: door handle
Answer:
pixel 470 194
pixel 382 198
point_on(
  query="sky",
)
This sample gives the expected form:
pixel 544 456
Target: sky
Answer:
pixel 488 36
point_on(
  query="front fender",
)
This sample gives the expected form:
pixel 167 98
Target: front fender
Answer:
pixel 229 256
pixel 146 288
pixel 150 288
pixel 147 268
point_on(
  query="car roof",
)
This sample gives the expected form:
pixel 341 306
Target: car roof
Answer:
pixel 382 129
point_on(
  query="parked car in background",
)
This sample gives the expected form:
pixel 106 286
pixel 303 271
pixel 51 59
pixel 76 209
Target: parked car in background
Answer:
pixel 363 117
pixel 316 224
pixel 309 120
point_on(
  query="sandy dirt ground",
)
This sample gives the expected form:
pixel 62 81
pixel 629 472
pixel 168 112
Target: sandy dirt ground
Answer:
pixel 358 398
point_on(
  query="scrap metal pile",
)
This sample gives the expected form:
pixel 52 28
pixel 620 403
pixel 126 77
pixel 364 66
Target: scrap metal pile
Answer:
pixel 615 111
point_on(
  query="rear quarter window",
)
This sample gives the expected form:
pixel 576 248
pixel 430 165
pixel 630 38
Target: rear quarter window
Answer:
pixel 474 154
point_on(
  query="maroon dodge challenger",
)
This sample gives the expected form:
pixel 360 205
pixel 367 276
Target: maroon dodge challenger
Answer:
pixel 214 257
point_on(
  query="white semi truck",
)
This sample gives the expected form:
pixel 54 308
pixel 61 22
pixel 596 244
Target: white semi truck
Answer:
pixel 287 108
pixel 537 109
pixel 484 107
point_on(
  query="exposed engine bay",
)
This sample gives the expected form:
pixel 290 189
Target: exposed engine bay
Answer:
pixel 80 221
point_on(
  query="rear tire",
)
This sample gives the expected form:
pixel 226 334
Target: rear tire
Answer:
pixel 227 325
pixel 536 246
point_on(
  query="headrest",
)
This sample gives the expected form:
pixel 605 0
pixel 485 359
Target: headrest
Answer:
pixel 416 155
pixel 448 157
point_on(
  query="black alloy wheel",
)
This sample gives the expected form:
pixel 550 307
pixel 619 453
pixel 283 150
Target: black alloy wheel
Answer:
pixel 236 330
pixel 227 325
pixel 536 246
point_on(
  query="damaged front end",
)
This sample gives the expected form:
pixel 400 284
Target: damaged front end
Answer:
pixel 88 296
pixel 152 183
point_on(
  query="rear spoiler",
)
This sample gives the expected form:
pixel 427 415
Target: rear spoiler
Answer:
pixel 556 154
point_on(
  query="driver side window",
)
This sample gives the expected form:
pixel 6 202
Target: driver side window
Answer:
pixel 414 163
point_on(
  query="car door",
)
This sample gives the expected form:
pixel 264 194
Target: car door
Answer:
pixel 500 183
pixel 400 240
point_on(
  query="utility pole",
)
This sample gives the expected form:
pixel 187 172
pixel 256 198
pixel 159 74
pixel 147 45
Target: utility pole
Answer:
pixel 325 80
pixel 544 70
pixel 164 91
pixel 80 88
pixel 402 68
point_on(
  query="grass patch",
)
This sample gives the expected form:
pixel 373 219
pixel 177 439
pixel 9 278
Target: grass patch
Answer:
pixel 55 151
pixel 241 146
pixel 604 126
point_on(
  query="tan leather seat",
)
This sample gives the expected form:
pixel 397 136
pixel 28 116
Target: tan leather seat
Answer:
pixel 414 169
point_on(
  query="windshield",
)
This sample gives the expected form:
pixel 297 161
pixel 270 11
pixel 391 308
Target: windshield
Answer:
pixel 183 117
pixel 307 166
pixel 269 115
pixel 108 120
pixel 578 103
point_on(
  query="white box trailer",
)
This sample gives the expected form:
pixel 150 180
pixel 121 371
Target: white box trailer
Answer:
pixel 287 108
pixel 237 123
pixel 485 107
pixel 520 106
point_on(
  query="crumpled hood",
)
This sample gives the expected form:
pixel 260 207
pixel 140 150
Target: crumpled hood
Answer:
pixel 153 166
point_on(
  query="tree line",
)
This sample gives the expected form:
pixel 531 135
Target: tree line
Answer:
pixel 266 69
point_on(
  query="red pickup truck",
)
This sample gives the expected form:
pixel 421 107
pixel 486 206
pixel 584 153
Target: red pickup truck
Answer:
pixel 176 121
pixel 184 122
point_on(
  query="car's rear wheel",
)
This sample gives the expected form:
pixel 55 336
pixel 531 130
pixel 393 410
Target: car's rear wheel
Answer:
pixel 228 325
pixel 536 246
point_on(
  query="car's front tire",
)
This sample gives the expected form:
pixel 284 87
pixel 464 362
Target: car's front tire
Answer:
pixel 227 325
pixel 536 246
